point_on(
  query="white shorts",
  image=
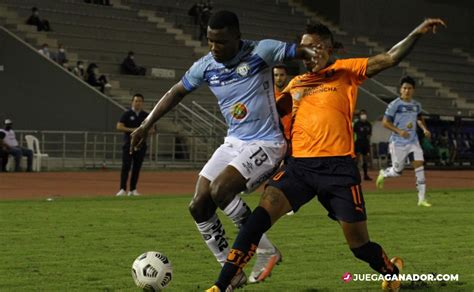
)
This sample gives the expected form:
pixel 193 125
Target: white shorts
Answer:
pixel 255 160
pixel 399 154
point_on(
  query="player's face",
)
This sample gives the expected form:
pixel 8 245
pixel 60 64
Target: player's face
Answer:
pixel 280 76
pixel 325 51
pixel 406 91
pixel 137 103
pixel 223 44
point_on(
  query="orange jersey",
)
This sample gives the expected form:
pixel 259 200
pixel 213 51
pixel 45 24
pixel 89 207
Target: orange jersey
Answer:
pixel 284 110
pixel 323 103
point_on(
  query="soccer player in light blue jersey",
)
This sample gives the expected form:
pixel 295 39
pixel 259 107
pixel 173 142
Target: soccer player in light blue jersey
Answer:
pixel 402 117
pixel 239 73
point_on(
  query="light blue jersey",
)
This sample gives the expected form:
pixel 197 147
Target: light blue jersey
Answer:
pixel 404 116
pixel 244 88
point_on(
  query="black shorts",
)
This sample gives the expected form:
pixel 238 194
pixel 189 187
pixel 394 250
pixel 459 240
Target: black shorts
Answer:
pixel 362 147
pixel 334 180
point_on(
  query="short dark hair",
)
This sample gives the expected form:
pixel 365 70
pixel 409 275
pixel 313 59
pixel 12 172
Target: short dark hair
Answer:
pixel 281 66
pixel 138 95
pixel 34 9
pixel 79 62
pixel 223 19
pixel 323 31
pixel 409 80
pixel 362 111
pixel 131 53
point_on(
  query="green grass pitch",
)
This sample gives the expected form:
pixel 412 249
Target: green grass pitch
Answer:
pixel 89 244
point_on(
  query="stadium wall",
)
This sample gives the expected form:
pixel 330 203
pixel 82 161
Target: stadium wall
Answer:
pixel 38 94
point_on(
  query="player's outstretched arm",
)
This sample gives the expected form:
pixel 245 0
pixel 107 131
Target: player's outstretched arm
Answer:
pixel 398 52
pixel 164 105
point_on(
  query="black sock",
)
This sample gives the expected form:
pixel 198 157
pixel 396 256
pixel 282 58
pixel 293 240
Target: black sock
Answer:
pixel 374 255
pixel 244 246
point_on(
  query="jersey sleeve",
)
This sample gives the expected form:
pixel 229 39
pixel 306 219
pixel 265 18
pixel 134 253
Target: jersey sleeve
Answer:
pixel 194 77
pixel 357 68
pixel 274 52
pixel 391 110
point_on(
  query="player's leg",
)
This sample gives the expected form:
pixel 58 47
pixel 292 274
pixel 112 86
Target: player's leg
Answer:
pixel 347 206
pixel 418 165
pixel 398 154
pixel 255 163
pixel 138 157
pixel 285 192
pixel 273 205
pixel 29 158
pixel 126 165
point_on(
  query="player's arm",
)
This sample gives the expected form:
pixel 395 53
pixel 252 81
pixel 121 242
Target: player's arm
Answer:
pixel 398 52
pixel 164 105
pixel 422 124
pixel 387 123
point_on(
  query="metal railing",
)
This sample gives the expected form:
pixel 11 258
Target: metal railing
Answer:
pixel 83 149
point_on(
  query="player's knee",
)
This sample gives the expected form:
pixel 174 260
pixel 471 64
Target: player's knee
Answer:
pixel 220 194
pixel 200 209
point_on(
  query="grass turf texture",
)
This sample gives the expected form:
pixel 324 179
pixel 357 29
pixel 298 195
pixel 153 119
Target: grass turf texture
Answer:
pixel 90 244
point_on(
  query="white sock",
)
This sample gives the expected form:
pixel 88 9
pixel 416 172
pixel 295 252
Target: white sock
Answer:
pixel 390 172
pixel 238 212
pixel 213 234
pixel 420 183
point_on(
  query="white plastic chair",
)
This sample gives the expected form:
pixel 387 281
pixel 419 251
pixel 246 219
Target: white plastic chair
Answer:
pixel 33 144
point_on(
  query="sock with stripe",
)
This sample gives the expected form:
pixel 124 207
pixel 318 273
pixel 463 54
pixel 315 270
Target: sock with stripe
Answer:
pixel 213 234
pixel 239 212
pixel 420 183
pixel 244 246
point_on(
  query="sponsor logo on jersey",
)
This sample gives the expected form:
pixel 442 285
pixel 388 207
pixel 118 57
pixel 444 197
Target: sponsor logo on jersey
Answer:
pixel 239 111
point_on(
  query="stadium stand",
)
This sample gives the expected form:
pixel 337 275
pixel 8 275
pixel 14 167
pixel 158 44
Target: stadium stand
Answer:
pixel 166 42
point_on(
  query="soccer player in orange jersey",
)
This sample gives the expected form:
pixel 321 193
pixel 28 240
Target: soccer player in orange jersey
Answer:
pixel 280 80
pixel 322 162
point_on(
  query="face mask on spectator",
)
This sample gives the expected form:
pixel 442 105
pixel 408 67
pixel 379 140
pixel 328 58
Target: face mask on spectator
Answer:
pixel 363 117
pixel 61 50
pixel 80 66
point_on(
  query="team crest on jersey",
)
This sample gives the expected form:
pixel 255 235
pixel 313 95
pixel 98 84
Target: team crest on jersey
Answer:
pixel 239 111
pixel 132 118
pixel 410 125
pixel 297 95
pixel 243 69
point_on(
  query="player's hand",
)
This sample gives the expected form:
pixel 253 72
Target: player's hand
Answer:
pixel 429 24
pixel 427 134
pixel 138 137
pixel 404 134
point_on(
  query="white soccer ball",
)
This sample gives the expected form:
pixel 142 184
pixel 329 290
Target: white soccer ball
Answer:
pixel 152 271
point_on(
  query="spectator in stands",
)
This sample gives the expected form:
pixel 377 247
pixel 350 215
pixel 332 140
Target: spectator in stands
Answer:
pixel 363 131
pixel 99 2
pixel 13 147
pixel 204 16
pixel 443 148
pixel 130 67
pixel 60 55
pixel 195 11
pixel 34 19
pixel 3 153
pixel 95 79
pixel 129 121
pixel 44 50
pixel 65 65
pixel 79 70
